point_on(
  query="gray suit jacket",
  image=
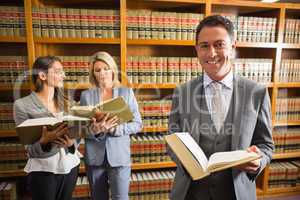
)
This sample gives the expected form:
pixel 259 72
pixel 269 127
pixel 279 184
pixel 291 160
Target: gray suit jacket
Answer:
pixel 30 107
pixel 117 146
pixel 252 126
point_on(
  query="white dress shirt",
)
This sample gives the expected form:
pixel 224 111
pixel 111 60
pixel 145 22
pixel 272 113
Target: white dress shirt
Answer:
pixel 227 89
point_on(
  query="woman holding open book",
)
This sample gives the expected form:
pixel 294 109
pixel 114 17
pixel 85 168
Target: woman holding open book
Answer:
pixel 53 161
pixel 107 146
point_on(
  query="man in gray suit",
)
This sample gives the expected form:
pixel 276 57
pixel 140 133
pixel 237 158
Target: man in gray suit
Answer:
pixel 222 112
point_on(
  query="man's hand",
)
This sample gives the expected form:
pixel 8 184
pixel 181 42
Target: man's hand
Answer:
pixel 252 166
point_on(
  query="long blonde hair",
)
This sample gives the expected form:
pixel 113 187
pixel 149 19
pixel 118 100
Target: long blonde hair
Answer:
pixel 108 59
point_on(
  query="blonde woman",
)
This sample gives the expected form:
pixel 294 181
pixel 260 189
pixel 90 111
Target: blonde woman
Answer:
pixel 107 146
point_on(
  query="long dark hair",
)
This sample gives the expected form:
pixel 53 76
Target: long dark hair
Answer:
pixel 42 64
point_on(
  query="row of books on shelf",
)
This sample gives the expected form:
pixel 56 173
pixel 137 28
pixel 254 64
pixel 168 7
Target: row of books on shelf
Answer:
pixel 8 191
pixel 289 70
pixel 286 139
pixel 143 185
pixel 144 69
pixel 259 70
pixel 76 68
pixel 12 151
pixel 148 148
pixel 81 188
pixel 12 21
pixel 155 112
pixel 284 174
pixel 75 23
pixel 254 29
pixel 292 31
pixel 147 24
pixel 151 184
pixel 13 69
pixel 288 108
pixel 6 116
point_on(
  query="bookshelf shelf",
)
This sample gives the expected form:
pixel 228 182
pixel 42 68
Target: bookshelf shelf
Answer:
pixel 142 166
pixel 248 4
pixel 278 156
pixel 154 129
pixel 179 1
pixel 288 123
pixel 153 86
pixel 7 133
pixel 288 85
pixel 159 165
pixel 290 46
pixel 12 39
pixel 12 173
pixel 160 42
pixel 257 44
pixel 77 40
pixel 15 87
pixel 284 190
pixel 77 86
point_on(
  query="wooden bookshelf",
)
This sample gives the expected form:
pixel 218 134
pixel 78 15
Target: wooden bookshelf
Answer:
pixel 77 40
pixel 8 133
pixel 12 173
pixel 80 86
pixel 285 190
pixel 154 129
pixel 160 165
pixel 278 156
pixel 153 86
pixel 135 166
pixel 288 123
pixel 288 85
pixel 15 87
pixel 290 46
pixel 161 42
pixel 10 39
pixel 256 45
pixel 124 47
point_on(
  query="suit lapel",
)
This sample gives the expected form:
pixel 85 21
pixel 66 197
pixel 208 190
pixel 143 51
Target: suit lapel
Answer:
pixel 239 94
pixel 196 109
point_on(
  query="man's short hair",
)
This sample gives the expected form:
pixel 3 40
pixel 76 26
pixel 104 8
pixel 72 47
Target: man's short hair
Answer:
pixel 213 21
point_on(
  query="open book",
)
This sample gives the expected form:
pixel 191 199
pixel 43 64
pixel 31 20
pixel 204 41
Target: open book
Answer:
pixel 194 160
pixel 115 107
pixel 30 130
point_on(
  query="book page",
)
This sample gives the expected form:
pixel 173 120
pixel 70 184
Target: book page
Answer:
pixel 74 118
pixel 229 157
pixel 39 122
pixel 194 148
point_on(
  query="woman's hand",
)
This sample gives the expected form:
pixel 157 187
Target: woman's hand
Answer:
pixel 102 123
pixel 50 136
pixel 64 141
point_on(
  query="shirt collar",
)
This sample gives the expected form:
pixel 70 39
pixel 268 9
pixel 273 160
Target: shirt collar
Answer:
pixel 226 81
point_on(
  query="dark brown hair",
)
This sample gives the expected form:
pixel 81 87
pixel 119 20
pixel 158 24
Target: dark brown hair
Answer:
pixel 42 64
pixel 216 20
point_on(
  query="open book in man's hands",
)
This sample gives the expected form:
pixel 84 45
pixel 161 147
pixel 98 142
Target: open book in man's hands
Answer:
pixel 196 163
pixel 30 130
pixel 115 107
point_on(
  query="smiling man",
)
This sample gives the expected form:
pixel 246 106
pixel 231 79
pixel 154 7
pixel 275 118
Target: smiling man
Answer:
pixel 222 112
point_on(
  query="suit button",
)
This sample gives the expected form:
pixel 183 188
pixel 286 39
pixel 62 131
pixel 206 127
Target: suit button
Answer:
pixel 218 142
